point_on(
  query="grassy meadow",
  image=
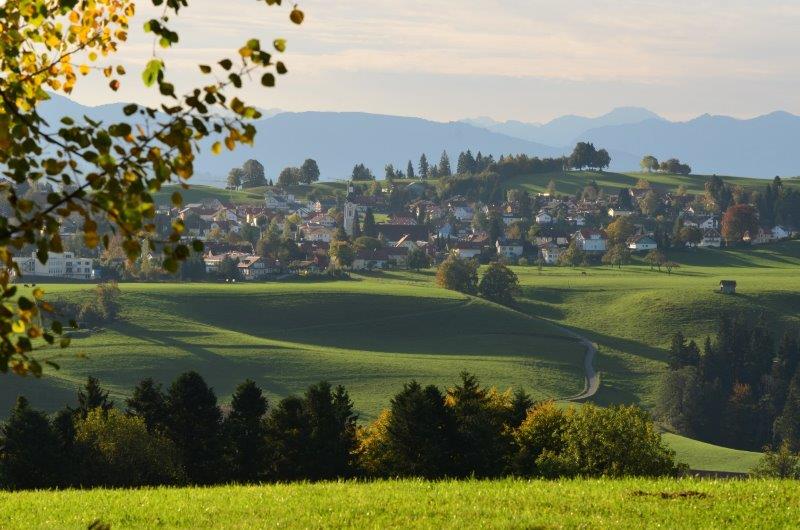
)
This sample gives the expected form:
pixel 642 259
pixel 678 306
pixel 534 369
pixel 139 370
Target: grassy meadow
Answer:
pixel 630 503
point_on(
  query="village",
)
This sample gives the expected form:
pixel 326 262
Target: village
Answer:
pixel 397 224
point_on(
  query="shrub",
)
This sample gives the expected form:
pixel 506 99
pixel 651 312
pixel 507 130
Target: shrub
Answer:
pixel 122 453
pixel 538 440
pixel 458 274
pixel 778 464
pixel 499 284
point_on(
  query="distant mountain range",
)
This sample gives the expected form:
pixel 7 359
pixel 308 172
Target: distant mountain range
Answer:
pixel 762 147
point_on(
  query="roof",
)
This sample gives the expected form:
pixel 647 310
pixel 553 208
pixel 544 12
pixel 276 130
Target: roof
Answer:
pixel 382 254
pixel 392 232
pixel 728 283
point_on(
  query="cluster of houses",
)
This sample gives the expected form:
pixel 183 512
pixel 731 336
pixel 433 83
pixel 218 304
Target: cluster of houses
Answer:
pixel 437 227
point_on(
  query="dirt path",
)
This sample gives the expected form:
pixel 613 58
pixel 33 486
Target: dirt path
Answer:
pixel 592 378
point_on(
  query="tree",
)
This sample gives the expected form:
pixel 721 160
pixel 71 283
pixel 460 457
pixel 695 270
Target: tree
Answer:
pixel 194 425
pixel 31 456
pixel 369 229
pixel 423 166
pixel 417 259
pixel 649 203
pixel 539 439
pixel 416 437
pixel 362 172
pixel 674 166
pixel 649 163
pixel 782 464
pixel 228 269
pixel 739 219
pixel 410 170
pixel 444 165
pixel 235 178
pixel 290 176
pixel 655 258
pixel 618 254
pixel 551 188
pixel 92 397
pixel 332 432
pixel 787 425
pixel 620 230
pixel 122 453
pixel 245 434
pixel 582 156
pixel 356 226
pixel 310 171
pixel 367 243
pixel 148 402
pixel 499 284
pixel 253 174
pixel 342 253
pixel 389 172
pixel 104 172
pixel 601 159
pixel 466 163
pixel 573 256
pixel 458 274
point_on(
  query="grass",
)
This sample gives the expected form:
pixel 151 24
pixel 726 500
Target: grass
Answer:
pixel 570 182
pixel 370 335
pixel 199 193
pixel 701 456
pixel 630 503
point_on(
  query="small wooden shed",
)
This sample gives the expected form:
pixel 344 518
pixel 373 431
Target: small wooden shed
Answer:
pixel 727 286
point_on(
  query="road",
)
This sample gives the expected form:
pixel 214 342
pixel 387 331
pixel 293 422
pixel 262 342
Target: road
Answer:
pixel 592 378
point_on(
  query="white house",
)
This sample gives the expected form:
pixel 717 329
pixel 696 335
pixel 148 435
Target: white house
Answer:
pixel 779 233
pixel 463 213
pixel 318 234
pixel 618 212
pixel 467 249
pixel 543 218
pixel 577 220
pixel 711 222
pixel 642 243
pixel 252 268
pixel 591 240
pixel 550 253
pixel 711 239
pixel 59 265
pixel 509 248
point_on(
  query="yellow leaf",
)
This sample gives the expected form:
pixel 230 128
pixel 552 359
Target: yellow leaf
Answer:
pixel 83 69
pixel 18 327
pixel 38 293
pixel 216 148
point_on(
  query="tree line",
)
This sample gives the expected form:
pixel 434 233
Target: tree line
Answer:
pixel 182 436
pixel 739 389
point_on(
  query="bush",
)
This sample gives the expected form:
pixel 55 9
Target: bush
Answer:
pixel 458 274
pixel 499 284
pixel 124 454
pixel 778 464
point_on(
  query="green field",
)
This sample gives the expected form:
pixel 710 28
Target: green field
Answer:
pixel 570 182
pixel 370 335
pixel 631 503
pixel 377 331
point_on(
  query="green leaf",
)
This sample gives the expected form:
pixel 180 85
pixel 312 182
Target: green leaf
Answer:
pixel 129 109
pixel 152 71
pixel 280 45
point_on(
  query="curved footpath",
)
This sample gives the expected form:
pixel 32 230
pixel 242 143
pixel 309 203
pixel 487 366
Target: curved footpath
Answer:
pixel 592 381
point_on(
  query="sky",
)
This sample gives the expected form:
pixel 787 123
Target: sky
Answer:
pixel 527 60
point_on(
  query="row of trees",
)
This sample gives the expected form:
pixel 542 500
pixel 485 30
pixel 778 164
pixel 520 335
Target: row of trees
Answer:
pixel 738 390
pixel 252 175
pixel 586 155
pixel 498 283
pixel 182 436
pixel 673 166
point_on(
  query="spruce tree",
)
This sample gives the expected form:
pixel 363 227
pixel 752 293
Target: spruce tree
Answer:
pixel 194 425
pixel 410 170
pixel 444 165
pixel 369 228
pixel 423 166
pixel 521 403
pixel 787 425
pixel 149 403
pixel 287 438
pixel 421 433
pixel 356 226
pixel 245 434
pixel 31 456
pixel 92 396
pixel 332 432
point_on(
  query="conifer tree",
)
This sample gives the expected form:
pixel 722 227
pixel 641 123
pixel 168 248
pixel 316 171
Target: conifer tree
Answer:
pixel 92 396
pixel 31 456
pixel 423 166
pixel 410 170
pixel 245 434
pixel 149 403
pixel 369 228
pixel 444 165
pixel 194 425
pixel 787 425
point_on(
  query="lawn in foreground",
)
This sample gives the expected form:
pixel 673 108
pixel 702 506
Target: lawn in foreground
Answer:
pixel 630 503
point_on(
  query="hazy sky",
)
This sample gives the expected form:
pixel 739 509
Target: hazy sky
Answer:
pixel 529 60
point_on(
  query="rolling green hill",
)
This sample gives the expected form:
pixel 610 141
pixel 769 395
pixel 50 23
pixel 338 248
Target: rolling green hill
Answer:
pixel 630 503
pixel 369 335
pixel 570 182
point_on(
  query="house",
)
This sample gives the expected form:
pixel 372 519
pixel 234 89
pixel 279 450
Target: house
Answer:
pixel 406 242
pixel 642 243
pixel 619 212
pixel 543 218
pixel 380 259
pixel 394 233
pixel 467 249
pixel 711 238
pixel 577 220
pixel 252 268
pixel 550 253
pixel 762 237
pixel 727 286
pixel 59 265
pixel 709 223
pixel 213 260
pixel 322 219
pixel 589 240
pixel 509 248
pixel 463 213
pixel 318 233
pixel 509 219
pixel 779 233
